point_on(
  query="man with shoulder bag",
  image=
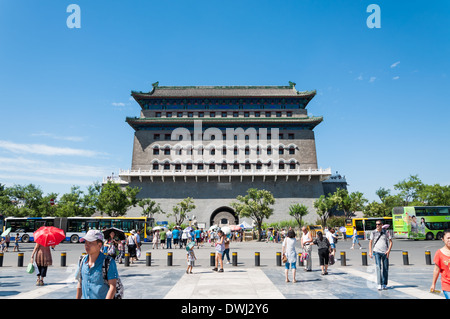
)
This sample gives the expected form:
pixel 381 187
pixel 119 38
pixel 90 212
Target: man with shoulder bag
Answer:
pixel 380 246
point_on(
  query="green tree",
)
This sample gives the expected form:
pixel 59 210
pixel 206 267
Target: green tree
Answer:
pixel 181 210
pixel 149 207
pixel 324 205
pixel 409 189
pixel 349 203
pixel 298 211
pixel 115 201
pixel 434 195
pixel 255 205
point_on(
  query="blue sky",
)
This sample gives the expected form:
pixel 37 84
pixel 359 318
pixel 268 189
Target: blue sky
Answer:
pixel 65 93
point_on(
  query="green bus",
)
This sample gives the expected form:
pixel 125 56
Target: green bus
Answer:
pixel 420 222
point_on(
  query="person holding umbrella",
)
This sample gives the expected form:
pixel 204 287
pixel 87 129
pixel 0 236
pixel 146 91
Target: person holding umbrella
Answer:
pixel 43 257
pixel 45 237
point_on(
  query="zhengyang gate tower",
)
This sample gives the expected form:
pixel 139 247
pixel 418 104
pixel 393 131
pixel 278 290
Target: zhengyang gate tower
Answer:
pixel 212 143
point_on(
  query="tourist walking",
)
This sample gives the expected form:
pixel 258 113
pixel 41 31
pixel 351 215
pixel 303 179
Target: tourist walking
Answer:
pixel 43 258
pixel 324 249
pixel 288 250
pixel 190 259
pixel 111 245
pixel 442 266
pixel 155 239
pixel 226 252
pixel 380 245
pixel 306 242
pixel 132 246
pixel 16 242
pixel 91 281
pixel 220 247
pixel 355 239
pixel 169 239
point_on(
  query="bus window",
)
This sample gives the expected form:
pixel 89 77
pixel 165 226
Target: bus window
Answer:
pixel 359 225
pixel 444 211
pixel 117 223
pixel 127 225
pixel 104 224
pixel 348 222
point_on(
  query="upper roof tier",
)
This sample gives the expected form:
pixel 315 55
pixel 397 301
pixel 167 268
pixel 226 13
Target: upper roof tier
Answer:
pixel 224 91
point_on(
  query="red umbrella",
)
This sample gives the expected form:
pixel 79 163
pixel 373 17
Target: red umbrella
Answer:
pixel 235 227
pixel 49 236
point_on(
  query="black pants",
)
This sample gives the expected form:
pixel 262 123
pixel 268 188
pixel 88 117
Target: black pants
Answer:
pixel 323 256
pixel 42 271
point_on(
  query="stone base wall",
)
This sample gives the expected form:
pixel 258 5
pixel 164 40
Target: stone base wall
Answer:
pixel 210 196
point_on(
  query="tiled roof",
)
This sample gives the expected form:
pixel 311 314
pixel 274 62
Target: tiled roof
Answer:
pixel 224 91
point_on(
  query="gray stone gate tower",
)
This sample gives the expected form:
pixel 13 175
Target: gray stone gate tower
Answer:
pixel 212 143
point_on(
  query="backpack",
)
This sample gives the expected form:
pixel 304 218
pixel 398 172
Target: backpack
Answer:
pixel 105 267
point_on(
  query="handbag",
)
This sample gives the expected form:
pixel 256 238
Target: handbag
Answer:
pixel 30 268
pixel 304 256
pixel 284 259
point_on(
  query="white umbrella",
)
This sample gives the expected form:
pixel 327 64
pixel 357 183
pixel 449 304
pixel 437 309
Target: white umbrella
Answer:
pixel 159 228
pixel 213 228
pixel 6 232
pixel 226 230
pixel 245 225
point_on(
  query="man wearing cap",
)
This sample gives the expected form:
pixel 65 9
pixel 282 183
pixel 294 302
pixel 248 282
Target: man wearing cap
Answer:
pixel 91 284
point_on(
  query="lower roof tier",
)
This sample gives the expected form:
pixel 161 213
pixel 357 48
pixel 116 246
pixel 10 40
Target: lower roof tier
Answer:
pixel 221 123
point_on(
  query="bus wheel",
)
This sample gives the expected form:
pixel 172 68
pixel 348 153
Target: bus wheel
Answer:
pixel 74 239
pixel 429 236
pixel 25 238
pixel 439 235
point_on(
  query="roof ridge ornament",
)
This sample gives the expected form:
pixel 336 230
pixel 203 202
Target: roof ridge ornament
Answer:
pixel 155 85
pixel 292 84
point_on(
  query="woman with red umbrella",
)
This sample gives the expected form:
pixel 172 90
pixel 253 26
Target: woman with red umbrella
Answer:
pixel 43 257
pixel 45 237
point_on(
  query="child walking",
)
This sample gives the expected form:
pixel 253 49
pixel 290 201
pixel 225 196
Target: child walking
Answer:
pixel 190 258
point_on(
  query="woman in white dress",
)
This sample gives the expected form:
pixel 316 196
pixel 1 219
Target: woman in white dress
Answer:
pixel 290 253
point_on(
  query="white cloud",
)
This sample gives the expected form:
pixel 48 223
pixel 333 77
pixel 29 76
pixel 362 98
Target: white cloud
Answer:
pixel 57 137
pixel 360 77
pixel 396 77
pixel 118 104
pixel 372 79
pixel 42 149
pixel 395 64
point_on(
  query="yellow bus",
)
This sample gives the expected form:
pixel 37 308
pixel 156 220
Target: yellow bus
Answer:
pixel 76 227
pixel 364 226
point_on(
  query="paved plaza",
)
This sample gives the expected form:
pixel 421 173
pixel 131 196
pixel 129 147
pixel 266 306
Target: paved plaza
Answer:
pixel 242 282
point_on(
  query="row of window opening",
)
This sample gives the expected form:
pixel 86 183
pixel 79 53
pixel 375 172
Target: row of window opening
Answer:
pixel 223 114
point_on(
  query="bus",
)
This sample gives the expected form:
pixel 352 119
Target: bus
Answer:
pixel 421 222
pixel 365 226
pixel 76 227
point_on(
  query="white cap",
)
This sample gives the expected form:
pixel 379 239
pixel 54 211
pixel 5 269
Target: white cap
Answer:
pixel 93 235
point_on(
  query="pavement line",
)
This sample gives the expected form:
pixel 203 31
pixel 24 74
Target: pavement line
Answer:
pixel 372 277
pixel 43 290
pixel 248 283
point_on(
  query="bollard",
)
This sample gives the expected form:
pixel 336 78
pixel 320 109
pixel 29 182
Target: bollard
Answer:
pixel 278 259
pixel 20 260
pixel 1 259
pixel 148 258
pixel 63 259
pixel 257 258
pixel 127 259
pixel 343 259
pixel 405 258
pixel 364 258
pixel 169 258
pixel 212 259
pixel 234 257
pixel 428 257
